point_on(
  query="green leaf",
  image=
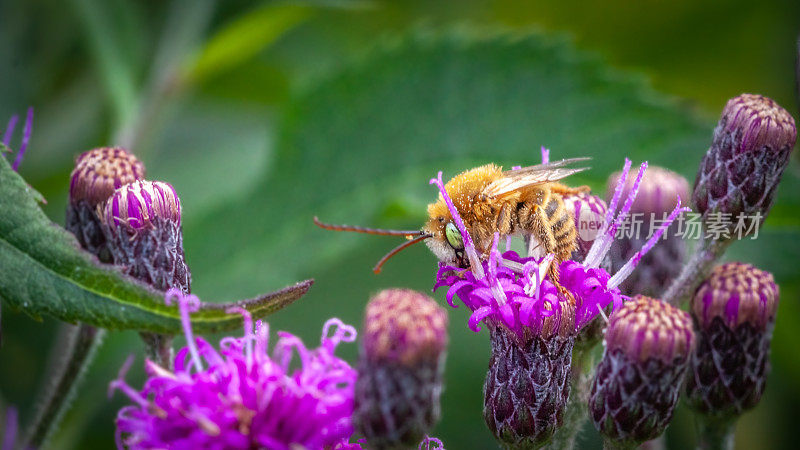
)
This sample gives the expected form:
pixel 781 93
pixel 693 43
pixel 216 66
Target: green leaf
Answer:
pixel 44 272
pixel 244 38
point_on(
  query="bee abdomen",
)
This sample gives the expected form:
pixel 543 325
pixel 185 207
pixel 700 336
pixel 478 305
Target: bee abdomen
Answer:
pixel 560 221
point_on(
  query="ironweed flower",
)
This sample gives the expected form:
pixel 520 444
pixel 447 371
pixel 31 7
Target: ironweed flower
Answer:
pixel 532 326
pixel 734 312
pixel 400 369
pixel 637 383
pixel 659 190
pixel 26 136
pixel 240 397
pixel 742 168
pixel 142 226
pixel 97 174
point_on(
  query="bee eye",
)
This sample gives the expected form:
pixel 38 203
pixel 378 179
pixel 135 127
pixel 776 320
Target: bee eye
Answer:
pixel 453 236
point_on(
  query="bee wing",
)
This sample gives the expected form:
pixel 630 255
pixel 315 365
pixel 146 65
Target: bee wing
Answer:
pixel 515 180
pixel 547 167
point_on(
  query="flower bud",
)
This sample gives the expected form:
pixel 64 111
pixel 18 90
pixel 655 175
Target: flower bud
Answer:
pixel 742 168
pixel 734 311
pixel 96 175
pixel 659 191
pixel 636 384
pixel 142 223
pixel 400 368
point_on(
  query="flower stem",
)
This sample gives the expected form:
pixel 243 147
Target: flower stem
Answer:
pixel 715 434
pixel 609 444
pixel 158 348
pixel 695 271
pixel 583 362
pixel 82 343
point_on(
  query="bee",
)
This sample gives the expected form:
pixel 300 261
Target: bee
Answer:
pixel 526 201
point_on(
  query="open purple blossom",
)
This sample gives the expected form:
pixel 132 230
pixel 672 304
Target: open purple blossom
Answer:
pixel 516 292
pixel 240 397
pixel 26 136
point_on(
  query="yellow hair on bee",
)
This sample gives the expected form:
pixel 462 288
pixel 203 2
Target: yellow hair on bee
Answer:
pixel 463 189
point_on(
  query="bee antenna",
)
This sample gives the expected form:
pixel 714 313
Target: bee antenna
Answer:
pixel 396 250
pixel 379 231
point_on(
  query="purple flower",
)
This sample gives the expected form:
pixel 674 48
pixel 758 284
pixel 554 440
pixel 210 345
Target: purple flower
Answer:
pixel 26 136
pixel 241 397
pixel 515 291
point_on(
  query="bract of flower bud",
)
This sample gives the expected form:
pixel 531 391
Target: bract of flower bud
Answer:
pixel 241 397
pixel 101 171
pixel 141 223
pixel 734 309
pixel 637 383
pixel 400 369
pixel 742 168
pixel 97 174
pixel 404 326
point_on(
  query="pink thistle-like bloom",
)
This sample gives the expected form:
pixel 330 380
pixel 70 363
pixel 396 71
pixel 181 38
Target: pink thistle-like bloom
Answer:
pixel 514 291
pixel 240 397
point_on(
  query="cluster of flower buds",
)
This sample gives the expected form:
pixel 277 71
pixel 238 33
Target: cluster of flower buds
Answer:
pixel 742 168
pixel 734 313
pixel 124 220
pixel 400 369
pixel 239 396
pixel 638 381
pixel 658 192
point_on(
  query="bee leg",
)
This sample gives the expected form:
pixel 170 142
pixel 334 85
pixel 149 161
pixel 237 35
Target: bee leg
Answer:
pixel 563 189
pixel 505 225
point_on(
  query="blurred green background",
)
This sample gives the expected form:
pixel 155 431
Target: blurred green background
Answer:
pixel 264 114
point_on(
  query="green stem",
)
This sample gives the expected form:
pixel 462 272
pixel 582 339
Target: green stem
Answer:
pixel 158 348
pixel 82 344
pixel 715 434
pixel 695 271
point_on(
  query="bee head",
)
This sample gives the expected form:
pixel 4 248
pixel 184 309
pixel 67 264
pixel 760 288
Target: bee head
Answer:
pixel 446 242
